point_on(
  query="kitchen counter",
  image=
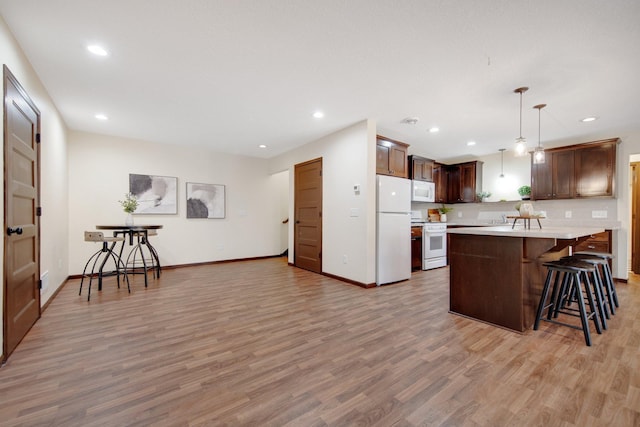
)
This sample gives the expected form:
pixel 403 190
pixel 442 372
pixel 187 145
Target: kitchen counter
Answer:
pixel 533 232
pixel 497 273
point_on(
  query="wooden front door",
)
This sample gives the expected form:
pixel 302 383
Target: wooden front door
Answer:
pixel 308 216
pixel 21 224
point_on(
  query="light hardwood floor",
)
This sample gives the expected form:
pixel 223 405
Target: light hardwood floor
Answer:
pixel 261 343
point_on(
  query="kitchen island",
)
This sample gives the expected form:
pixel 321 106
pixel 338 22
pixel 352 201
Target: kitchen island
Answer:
pixel 496 274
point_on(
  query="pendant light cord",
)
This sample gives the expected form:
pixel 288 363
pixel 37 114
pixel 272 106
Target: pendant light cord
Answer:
pixel 520 115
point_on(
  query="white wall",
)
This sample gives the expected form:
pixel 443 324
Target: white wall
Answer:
pixel 53 168
pixel 348 159
pixel 281 182
pixel 517 172
pixel 99 168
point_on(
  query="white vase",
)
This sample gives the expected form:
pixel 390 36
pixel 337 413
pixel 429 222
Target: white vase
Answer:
pixel 443 217
pixel 129 220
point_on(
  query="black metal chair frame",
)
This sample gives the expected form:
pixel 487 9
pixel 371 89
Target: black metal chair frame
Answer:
pixel 109 254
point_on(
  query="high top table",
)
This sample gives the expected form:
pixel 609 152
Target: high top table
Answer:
pixel 131 231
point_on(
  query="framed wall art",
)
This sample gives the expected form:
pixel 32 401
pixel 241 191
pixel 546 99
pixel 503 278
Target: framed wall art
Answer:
pixel 205 200
pixel 155 194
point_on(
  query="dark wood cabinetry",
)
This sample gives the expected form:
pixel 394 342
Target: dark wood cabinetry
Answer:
pixel 391 157
pixel 541 179
pixel 595 167
pixel 416 248
pixel 600 242
pixel 440 179
pixel 563 175
pixel 577 171
pixel 464 180
pixel 421 168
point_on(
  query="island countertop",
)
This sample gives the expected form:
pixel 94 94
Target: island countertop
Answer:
pixel 496 274
pixel 533 232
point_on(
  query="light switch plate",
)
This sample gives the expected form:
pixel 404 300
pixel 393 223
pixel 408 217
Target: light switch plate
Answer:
pixel 567 214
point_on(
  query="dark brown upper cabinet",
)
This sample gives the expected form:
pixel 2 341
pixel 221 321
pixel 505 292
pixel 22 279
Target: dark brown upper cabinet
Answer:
pixel 440 179
pixel 464 180
pixel 421 168
pixel 391 157
pixel 576 171
pixel 595 170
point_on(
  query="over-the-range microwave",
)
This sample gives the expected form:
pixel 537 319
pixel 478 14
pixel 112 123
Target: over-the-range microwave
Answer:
pixel 423 191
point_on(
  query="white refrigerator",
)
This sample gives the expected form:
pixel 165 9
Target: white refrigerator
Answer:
pixel 393 221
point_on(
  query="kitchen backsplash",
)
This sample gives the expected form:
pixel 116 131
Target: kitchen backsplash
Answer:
pixel 572 212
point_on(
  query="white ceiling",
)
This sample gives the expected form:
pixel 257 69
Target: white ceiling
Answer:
pixel 232 74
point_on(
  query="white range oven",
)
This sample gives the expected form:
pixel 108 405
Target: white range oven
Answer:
pixel 434 245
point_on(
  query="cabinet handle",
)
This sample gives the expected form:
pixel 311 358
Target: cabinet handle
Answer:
pixel 591 247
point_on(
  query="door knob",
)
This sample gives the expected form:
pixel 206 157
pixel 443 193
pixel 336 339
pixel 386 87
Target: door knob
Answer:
pixel 11 230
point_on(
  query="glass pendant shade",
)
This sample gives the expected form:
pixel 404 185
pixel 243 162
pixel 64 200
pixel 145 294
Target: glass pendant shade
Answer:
pixel 521 147
pixel 538 153
pixel 521 142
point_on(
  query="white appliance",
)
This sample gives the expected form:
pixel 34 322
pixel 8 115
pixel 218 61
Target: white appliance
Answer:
pixel 423 191
pixel 434 245
pixel 393 221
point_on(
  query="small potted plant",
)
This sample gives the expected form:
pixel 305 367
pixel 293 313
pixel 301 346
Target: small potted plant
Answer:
pixel 129 205
pixel 483 195
pixel 443 212
pixel 525 192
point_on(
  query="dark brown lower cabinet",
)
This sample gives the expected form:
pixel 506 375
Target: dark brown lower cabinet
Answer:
pixel 499 280
pixel 416 248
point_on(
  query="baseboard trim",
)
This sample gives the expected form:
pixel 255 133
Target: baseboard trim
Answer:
pixel 54 294
pixel 349 281
pixel 195 264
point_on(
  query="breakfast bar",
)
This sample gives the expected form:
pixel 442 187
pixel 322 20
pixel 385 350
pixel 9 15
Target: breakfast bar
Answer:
pixel 496 273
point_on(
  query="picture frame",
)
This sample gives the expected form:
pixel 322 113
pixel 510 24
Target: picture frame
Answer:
pixel 156 195
pixel 206 201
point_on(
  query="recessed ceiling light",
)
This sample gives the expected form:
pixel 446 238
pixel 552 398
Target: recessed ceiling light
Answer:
pixel 589 119
pixel 434 129
pixel 101 117
pixel 471 143
pixel 262 146
pixel 97 50
pixel 318 114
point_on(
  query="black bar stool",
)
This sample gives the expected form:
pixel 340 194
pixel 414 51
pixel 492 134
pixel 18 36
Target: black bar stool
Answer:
pixel 606 287
pixel 105 253
pixel 568 277
pixel 597 284
pixel 609 284
pixel 143 256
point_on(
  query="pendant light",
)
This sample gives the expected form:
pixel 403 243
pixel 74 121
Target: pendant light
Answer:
pixel 521 142
pixel 502 162
pixel 538 153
